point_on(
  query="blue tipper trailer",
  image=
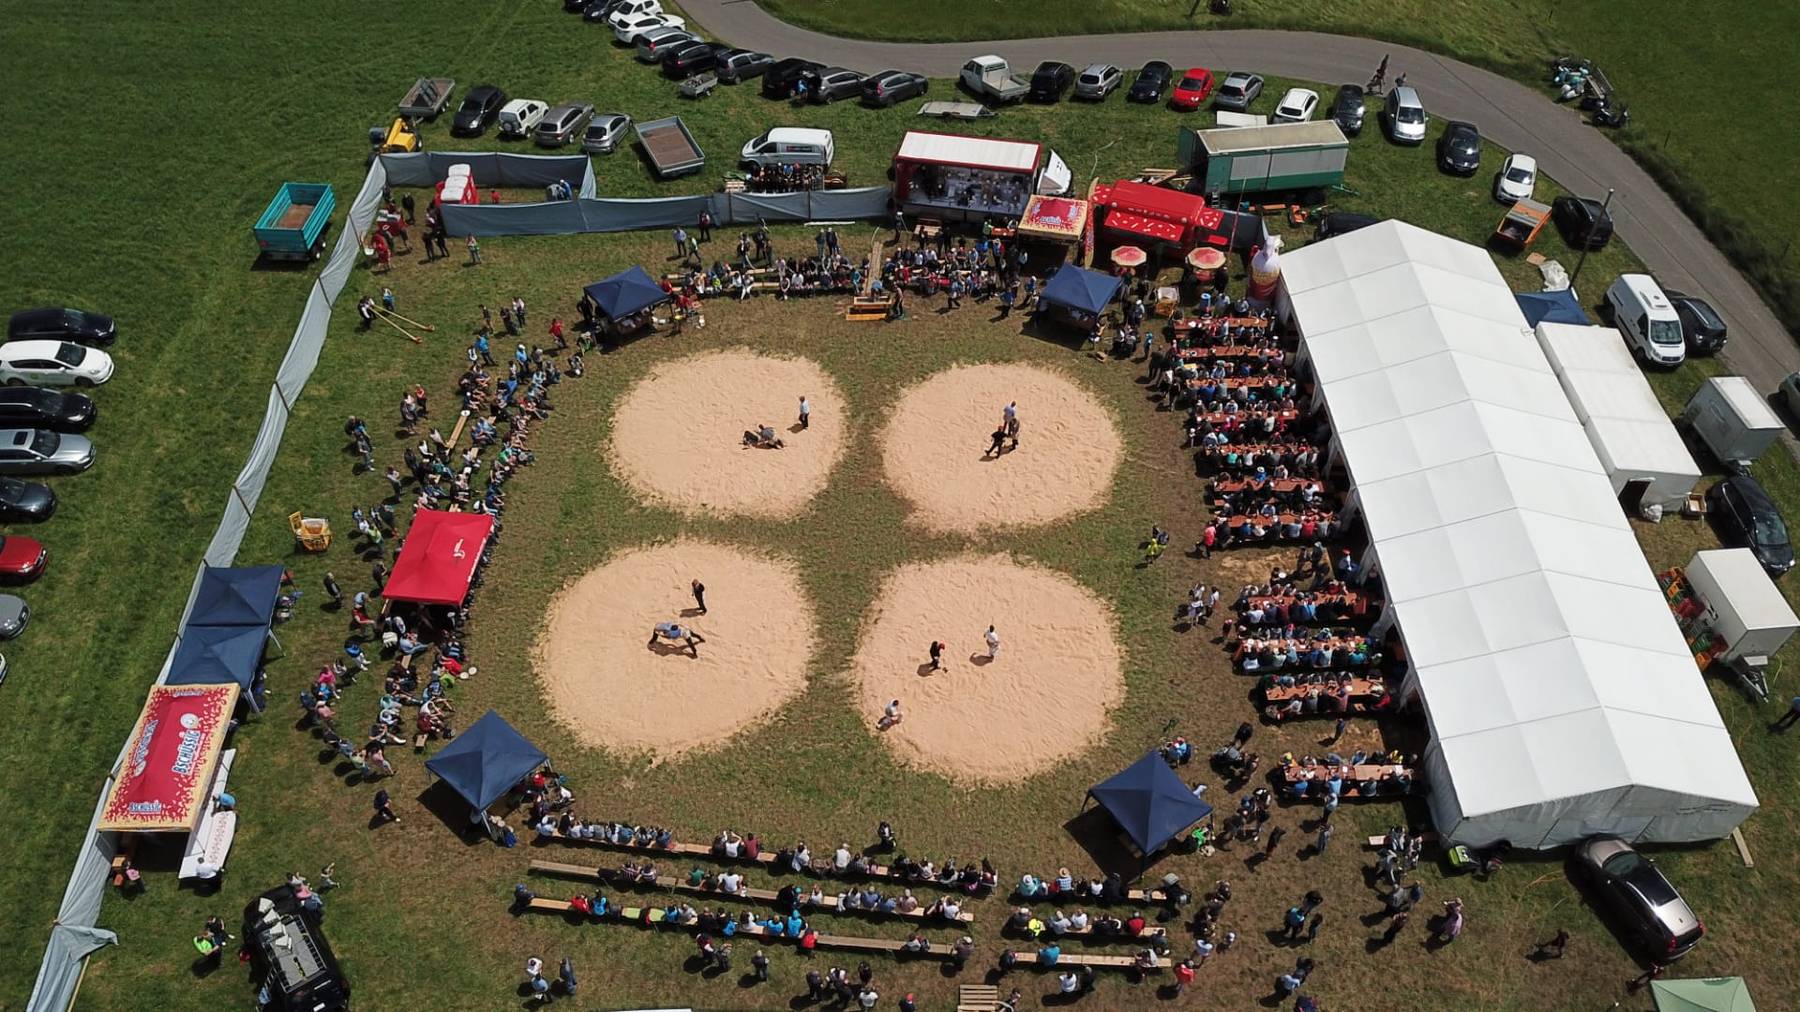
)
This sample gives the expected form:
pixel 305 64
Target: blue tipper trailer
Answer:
pixel 292 227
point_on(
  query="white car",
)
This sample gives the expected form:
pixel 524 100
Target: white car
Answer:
pixel 628 30
pixel 1517 179
pixel 53 363
pixel 631 9
pixel 1296 106
pixel 521 116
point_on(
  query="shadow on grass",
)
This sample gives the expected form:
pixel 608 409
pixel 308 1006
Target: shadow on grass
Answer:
pixel 450 808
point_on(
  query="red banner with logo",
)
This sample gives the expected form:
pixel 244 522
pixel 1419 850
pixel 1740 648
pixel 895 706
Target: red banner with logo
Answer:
pixel 170 759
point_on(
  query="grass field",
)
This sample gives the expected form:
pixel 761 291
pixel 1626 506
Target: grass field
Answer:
pixel 1702 88
pixel 157 235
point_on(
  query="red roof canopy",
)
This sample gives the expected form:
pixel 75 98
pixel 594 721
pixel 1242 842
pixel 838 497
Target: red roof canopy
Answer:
pixel 169 759
pixel 439 557
pixel 1137 224
pixel 1156 202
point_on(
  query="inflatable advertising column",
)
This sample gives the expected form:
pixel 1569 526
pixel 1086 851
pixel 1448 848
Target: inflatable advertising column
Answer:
pixel 1265 272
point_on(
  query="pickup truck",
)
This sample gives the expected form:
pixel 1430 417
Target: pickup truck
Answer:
pixel 991 77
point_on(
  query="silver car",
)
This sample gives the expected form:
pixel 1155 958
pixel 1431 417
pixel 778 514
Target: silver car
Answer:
pixel 1097 81
pixel 41 451
pixel 604 133
pixel 15 615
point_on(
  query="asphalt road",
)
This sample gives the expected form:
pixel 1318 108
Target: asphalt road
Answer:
pixel 1577 155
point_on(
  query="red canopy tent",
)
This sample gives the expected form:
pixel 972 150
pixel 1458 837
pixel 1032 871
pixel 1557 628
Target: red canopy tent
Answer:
pixel 439 557
pixel 170 759
pixel 1156 212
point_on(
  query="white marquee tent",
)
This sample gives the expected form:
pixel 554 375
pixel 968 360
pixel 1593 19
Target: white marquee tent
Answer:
pixel 1561 696
pixel 1627 426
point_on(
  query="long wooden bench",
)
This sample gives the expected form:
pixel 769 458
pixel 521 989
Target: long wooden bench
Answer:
pixel 747 893
pixel 819 867
pixel 1152 935
pixel 652 917
pixel 1029 959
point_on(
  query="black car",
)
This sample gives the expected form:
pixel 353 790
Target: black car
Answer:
pixel 60 323
pixel 1341 222
pixel 693 58
pixel 600 10
pixel 1459 148
pixel 25 501
pixel 1700 323
pixel 1049 81
pixel 1582 222
pixel 38 408
pixel 1152 80
pixel 576 6
pixel 890 86
pixel 1654 915
pixel 826 86
pixel 779 80
pixel 1747 516
pixel 739 64
pixel 1348 108
pixel 480 107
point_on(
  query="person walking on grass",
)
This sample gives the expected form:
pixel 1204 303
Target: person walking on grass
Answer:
pixel 384 808
pixel 1324 839
pixel 1788 719
pixel 699 591
pixel 474 251
pixel 1555 947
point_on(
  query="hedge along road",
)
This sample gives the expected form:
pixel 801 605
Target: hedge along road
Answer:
pixel 1510 114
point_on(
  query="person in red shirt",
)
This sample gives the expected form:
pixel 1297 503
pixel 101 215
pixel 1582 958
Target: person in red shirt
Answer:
pixel 1184 975
pixel 1134 925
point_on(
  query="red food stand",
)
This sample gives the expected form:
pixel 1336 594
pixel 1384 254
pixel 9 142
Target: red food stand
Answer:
pixel 170 759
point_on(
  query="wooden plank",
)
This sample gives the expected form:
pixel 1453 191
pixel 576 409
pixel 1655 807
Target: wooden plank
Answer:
pixel 1028 959
pixel 1737 837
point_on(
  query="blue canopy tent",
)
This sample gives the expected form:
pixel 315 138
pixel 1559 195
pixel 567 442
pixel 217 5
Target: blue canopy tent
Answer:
pixel 239 596
pixel 219 655
pixel 1559 306
pixel 1150 803
pixel 486 761
pixel 627 292
pixel 1079 289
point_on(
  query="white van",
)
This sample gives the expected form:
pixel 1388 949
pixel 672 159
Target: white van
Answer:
pixel 1644 315
pixel 521 116
pixel 1405 116
pixel 790 146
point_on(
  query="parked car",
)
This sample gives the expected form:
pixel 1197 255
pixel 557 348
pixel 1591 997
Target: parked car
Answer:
pixel 38 408
pixel 480 107
pixel 1789 393
pixel 890 86
pixel 1049 81
pixel 790 146
pixel 1459 148
pixel 563 124
pixel 600 10
pixel 1296 106
pixel 1192 91
pixel 604 132
pixel 25 501
pixel 779 80
pixel 1646 319
pixel 41 451
pixel 576 6
pixel 1701 325
pixel 632 28
pixel 619 13
pixel 521 116
pixel 1745 515
pixel 1237 91
pixel 1348 107
pixel 21 559
pixel 60 323
pixel 1517 179
pixel 826 86
pixel 1151 81
pixel 1582 222
pixel 741 64
pixel 57 363
pixel 1097 80
pixel 1652 911
pixel 1404 116
pixel 653 46
pixel 692 58
pixel 15 615
pixel 1342 222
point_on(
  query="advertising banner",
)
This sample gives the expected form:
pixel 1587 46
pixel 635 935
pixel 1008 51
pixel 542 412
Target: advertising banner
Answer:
pixel 169 759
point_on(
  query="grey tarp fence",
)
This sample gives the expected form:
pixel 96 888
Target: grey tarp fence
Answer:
pixel 617 214
pixel 74 936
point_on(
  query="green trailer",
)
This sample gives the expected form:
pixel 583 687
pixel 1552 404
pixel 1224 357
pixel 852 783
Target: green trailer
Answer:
pixel 1279 157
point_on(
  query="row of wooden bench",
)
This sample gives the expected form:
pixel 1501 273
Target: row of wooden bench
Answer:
pixel 822 868
pixel 653 917
pixel 680 885
pixel 1030 960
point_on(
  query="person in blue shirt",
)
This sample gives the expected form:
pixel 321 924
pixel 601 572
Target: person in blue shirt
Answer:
pixel 1049 954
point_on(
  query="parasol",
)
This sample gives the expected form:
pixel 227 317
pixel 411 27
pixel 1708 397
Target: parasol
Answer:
pixel 1129 256
pixel 1206 258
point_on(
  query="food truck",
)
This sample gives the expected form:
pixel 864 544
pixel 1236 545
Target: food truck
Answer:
pixel 955 178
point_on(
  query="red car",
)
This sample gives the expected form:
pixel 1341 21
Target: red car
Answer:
pixel 1194 88
pixel 21 559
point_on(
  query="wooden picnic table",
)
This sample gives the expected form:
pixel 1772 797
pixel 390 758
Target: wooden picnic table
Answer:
pixel 1283 518
pixel 1029 959
pixel 653 917
pixel 820 867
pixel 1355 600
pixel 1351 776
pixel 1214 324
pixel 1241 382
pixel 1362 688
pixel 1299 645
pixel 1216 352
pixel 1221 417
pixel 681 885
pixel 1229 486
